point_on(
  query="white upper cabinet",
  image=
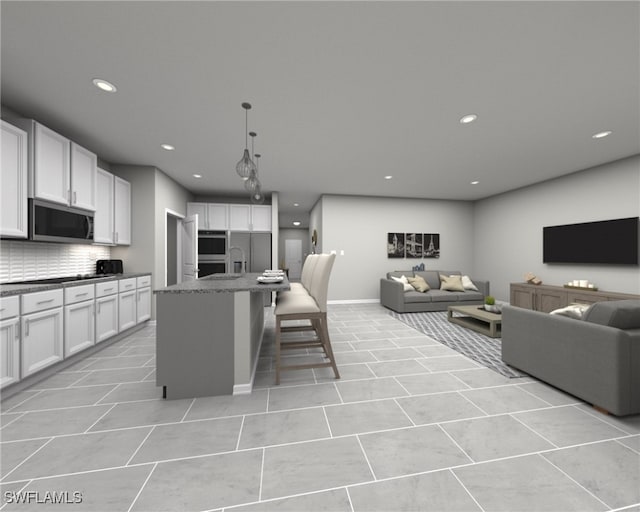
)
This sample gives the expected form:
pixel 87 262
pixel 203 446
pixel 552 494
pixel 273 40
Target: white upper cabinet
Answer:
pixel 211 216
pixel 232 217
pixel 218 216
pixel 201 210
pixel 260 218
pixel 60 171
pixel 240 217
pixel 84 167
pixel 51 165
pixel 13 182
pixel 122 211
pixel 103 221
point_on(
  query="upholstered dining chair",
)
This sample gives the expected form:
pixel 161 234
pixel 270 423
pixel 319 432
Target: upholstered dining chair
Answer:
pixel 307 302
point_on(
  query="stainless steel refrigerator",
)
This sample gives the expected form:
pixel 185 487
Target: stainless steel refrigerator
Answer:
pixel 257 251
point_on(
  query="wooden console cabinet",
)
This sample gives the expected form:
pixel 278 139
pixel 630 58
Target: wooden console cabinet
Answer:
pixel 546 298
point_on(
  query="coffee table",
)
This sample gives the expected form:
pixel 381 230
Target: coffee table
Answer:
pixel 477 319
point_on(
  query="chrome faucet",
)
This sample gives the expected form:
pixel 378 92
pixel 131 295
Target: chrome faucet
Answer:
pixel 244 258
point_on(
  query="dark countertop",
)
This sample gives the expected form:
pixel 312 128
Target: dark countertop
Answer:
pixel 9 289
pixel 226 283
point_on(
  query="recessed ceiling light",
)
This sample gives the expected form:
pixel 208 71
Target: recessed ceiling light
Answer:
pixel 168 147
pixel 475 182
pixel 296 204
pixel 388 177
pixel 469 118
pixel 600 135
pixel 296 222
pixel 104 85
pixel 197 175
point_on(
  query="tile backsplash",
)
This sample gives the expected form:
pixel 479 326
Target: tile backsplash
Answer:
pixel 21 261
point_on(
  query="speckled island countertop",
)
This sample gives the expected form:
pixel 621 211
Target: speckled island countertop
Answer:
pixel 9 289
pixel 225 283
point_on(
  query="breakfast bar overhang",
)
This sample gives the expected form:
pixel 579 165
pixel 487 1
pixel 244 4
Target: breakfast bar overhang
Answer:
pixel 209 333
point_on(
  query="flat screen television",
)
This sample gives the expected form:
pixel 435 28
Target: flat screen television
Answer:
pixel 608 241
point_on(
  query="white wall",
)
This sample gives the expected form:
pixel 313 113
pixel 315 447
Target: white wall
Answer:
pixel 508 227
pixel 359 226
pixel 151 192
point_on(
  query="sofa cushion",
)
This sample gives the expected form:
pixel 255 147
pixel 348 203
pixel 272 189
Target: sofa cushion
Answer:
pixel 405 283
pixel 469 295
pixel 572 311
pixel 432 277
pixel 467 283
pixel 414 296
pixel 623 314
pixel 419 283
pixel 451 283
pixel 442 296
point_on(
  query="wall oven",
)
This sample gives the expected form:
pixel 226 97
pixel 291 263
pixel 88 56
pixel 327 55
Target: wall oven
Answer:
pixel 212 244
pixel 49 222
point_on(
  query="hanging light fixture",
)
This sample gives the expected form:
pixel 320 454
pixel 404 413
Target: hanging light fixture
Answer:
pixel 253 182
pixel 246 165
pixel 257 197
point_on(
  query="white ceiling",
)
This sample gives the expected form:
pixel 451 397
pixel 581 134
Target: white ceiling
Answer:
pixel 343 93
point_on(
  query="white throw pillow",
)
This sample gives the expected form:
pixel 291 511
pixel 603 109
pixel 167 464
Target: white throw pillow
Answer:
pixel 572 311
pixel 405 283
pixel 467 284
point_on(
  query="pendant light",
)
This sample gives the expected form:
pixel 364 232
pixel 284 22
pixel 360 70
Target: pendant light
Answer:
pixel 245 165
pixel 253 182
pixel 257 197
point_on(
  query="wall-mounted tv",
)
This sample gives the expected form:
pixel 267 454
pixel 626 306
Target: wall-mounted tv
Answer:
pixel 608 241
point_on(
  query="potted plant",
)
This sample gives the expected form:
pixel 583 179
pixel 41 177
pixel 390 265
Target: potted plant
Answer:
pixel 490 304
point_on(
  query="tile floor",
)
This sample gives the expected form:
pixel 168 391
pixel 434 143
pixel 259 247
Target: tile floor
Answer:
pixel 411 425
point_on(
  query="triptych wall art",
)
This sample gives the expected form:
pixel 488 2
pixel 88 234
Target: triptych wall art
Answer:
pixel 413 245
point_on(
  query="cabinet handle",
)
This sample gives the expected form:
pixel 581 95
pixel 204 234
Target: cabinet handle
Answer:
pixel 108 289
pixel 116 237
pixel 75 197
pixel 82 294
pixel 44 301
pixel 26 327
pixel 69 195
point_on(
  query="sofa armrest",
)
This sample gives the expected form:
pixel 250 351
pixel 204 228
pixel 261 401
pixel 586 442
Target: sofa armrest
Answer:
pixel 392 294
pixel 482 286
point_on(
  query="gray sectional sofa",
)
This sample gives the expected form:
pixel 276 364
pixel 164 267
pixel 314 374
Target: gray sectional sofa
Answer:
pixel 595 358
pixel 393 296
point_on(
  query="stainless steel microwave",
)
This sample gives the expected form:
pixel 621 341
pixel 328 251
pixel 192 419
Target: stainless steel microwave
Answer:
pixel 50 222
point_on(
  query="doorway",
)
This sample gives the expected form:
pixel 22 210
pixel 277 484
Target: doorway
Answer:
pixel 180 248
pixel 293 257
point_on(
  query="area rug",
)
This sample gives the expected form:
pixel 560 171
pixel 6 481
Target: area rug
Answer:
pixel 482 349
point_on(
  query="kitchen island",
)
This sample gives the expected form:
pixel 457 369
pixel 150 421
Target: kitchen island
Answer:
pixel 209 333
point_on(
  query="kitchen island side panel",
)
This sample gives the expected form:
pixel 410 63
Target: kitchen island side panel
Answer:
pixel 195 344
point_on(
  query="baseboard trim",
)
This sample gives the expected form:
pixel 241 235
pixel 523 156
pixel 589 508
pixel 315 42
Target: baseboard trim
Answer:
pixel 242 389
pixel 354 301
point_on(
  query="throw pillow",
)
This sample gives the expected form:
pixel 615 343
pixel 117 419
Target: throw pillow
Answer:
pixel 405 283
pixel 467 283
pixel 419 283
pixel 572 311
pixel 451 283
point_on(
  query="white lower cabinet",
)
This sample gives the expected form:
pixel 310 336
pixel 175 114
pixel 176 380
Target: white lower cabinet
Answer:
pixel 143 304
pixel 42 340
pixel 80 327
pixel 127 314
pixel 9 351
pixel 106 317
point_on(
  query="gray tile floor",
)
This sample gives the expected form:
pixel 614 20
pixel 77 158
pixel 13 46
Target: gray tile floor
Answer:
pixel 412 425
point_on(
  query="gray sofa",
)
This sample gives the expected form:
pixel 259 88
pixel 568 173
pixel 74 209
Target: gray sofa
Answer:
pixel 393 296
pixel 595 358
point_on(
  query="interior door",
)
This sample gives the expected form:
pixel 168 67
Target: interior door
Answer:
pixel 189 243
pixel 293 257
